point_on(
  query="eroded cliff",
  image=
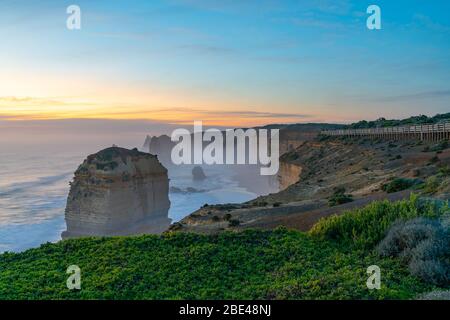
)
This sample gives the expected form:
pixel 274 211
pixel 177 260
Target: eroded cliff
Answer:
pixel 118 192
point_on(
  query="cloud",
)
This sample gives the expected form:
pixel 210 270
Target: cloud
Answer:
pixel 256 114
pixel 29 101
pixel 30 109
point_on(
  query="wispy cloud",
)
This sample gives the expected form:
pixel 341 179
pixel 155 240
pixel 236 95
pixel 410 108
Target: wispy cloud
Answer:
pixel 29 108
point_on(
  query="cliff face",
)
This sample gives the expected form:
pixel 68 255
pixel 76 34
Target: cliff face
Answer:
pixel 288 174
pixel 118 192
pixel 316 170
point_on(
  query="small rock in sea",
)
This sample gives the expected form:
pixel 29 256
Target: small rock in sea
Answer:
pixel 198 173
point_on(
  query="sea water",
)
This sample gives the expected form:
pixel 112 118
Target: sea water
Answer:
pixel 34 187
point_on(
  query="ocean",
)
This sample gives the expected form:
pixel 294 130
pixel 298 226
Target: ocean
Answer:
pixel 34 187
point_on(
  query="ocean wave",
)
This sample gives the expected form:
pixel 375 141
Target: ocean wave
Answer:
pixel 40 181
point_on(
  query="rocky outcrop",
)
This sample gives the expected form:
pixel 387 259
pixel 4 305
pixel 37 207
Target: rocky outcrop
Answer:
pixel 288 174
pixel 161 146
pixel 118 192
pixel 198 174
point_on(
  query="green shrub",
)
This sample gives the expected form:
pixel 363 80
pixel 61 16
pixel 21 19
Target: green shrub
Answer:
pixel 423 244
pixel 432 185
pixel 441 146
pixel 444 171
pixel 364 228
pixel 399 184
pixel 339 197
pixel 250 265
pixel 233 223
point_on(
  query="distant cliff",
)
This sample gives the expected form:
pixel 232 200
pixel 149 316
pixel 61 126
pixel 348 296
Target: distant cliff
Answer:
pixel 118 192
pixel 160 146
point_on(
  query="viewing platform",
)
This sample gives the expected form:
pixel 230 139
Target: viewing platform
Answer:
pixel 431 132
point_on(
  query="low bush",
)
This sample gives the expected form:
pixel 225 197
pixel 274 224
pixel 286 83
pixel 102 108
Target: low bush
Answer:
pixel 249 265
pixel 399 184
pixel 444 171
pixel 431 185
pixel 403 237
pixel 366 227
pixel 233 223
pixel 423 245
pixel 441 146
pixel 339 197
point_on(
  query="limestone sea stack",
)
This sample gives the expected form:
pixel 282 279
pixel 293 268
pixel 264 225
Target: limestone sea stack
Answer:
pixel 118 192
pixel 198 174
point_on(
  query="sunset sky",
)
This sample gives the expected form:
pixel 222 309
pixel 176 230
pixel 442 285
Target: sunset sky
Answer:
pixel 226 62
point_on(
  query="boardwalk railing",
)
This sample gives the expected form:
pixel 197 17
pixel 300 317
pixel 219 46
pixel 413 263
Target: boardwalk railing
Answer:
pixel 433 132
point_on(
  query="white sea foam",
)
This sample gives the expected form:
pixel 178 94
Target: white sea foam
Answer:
pixel 33 191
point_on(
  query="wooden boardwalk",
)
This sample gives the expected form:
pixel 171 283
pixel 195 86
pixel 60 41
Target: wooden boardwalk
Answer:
pixel 432 132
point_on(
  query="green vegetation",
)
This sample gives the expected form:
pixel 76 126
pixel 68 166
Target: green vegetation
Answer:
pixel 364 228
pixel 234 223
pixel 399 184
pixel 416 120
pixel 432 185
pixel 339 197
pixel 441 146
pixel 444 171
pixel 330 262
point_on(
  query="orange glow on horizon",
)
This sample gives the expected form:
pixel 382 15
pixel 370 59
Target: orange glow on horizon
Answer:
pixel 25 108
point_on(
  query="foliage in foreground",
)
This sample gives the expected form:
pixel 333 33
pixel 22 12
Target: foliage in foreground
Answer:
pixel 424 245
pixel 366 227
pixel 277 264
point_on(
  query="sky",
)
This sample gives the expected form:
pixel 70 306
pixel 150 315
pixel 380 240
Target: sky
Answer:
pixel 225 62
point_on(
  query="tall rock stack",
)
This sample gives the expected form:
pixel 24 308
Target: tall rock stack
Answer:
pixel 118 192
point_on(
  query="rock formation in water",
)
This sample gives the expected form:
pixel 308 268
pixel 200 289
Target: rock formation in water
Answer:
pixel 118 192
pixel 161 146
pixel 198 174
